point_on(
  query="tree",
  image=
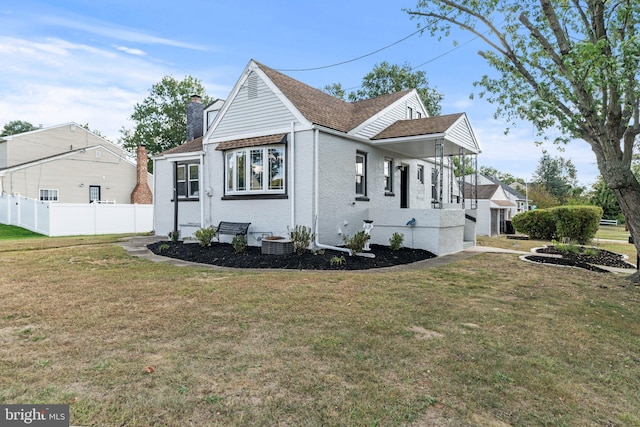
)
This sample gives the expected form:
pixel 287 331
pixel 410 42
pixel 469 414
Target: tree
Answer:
pixel 161 119
pixel 385 79
pixel 604 197
pixel 17 126
pixel 540 198
pixel 557 176
pixel 570 66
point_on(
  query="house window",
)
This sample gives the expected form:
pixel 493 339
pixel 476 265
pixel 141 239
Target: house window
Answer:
pixel 47 195
pixel 361 175
pixel 94 193
pixel 388 175
pixel 421 174
pixel 409 113
pixel 434 185
pixel 188 181
pixel 418 115
pixel 254 170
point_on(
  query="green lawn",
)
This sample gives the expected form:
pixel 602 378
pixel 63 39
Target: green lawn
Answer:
pixel 487 341
pixel 11 232
pixel 612 232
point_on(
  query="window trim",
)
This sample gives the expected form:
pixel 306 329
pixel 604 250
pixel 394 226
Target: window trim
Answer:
pixel 265 181
pixel 49 199
pixel 420 174
pixel 361 196
pixel 388 179
pixel 189 195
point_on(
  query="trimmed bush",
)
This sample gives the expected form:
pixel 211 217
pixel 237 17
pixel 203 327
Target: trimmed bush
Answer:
pixel 578 223
pixel 538 224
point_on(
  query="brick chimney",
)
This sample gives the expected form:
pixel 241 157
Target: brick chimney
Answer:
pixel 142 193
pixel 195 113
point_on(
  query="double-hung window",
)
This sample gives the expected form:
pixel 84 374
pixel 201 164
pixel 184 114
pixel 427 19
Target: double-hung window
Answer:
pixel 388 175
pixel 47 195
pixel 188 180
pixel 420 174
pixel 255 170
pixel 361 175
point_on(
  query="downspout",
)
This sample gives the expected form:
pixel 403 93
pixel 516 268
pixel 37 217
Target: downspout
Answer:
pixel 316 138
pixel 175 199
pixel 292 189
pixel 155 204
pixel 201 190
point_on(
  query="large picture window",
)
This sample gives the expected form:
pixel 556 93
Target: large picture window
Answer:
pixel 188 181
pixel 255 170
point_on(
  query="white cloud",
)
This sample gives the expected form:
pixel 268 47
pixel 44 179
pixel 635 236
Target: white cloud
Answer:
pixel 129 50
pixel 117 32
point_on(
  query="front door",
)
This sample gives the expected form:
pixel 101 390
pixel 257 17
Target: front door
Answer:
pixel 404 187
pixel 94 193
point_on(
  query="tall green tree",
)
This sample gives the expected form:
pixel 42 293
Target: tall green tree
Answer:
pixel 557 176
pixel 571 66
pixel 161 118
pixel 15 127
pixel 386 78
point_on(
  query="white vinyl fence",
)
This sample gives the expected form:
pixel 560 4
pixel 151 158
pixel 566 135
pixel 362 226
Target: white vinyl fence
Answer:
pixel 74 219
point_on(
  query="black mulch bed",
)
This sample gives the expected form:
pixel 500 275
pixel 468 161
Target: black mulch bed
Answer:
pixel 223 254
pixel 581 260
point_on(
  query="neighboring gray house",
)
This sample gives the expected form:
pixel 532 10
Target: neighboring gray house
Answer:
pixel 279 153
pixel 67 164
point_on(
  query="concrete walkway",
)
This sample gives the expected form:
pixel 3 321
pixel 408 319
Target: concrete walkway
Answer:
pixel 137 246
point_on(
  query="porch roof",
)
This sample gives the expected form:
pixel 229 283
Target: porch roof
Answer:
pixel 418 137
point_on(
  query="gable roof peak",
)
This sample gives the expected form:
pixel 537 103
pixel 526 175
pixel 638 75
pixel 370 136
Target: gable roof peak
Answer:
pixel 323 109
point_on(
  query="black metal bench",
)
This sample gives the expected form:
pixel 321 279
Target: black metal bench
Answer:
pixel 233 228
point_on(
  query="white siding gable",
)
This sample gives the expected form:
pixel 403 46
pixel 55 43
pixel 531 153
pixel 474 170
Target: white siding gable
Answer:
pixel 253 109
pixel 462 134
pixel 391 114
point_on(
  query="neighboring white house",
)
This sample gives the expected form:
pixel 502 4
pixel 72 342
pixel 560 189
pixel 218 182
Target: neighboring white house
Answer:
pixel 280 153
pixel 67 164
pixel 494 209
pixel 516 197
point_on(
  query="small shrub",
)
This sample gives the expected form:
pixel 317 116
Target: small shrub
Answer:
pixel 301 237
pixel 566 247
pixel 239 243
pixel 591 252
pixel 163 247
pixel 174 236
pixel 396 240
pixel 337 260
pixel 357 242
pixel 205 235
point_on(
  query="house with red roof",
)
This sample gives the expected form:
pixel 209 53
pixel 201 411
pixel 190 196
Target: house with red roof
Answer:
pixel 279 153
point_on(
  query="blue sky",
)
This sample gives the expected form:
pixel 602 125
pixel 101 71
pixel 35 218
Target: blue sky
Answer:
pixel 92 61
